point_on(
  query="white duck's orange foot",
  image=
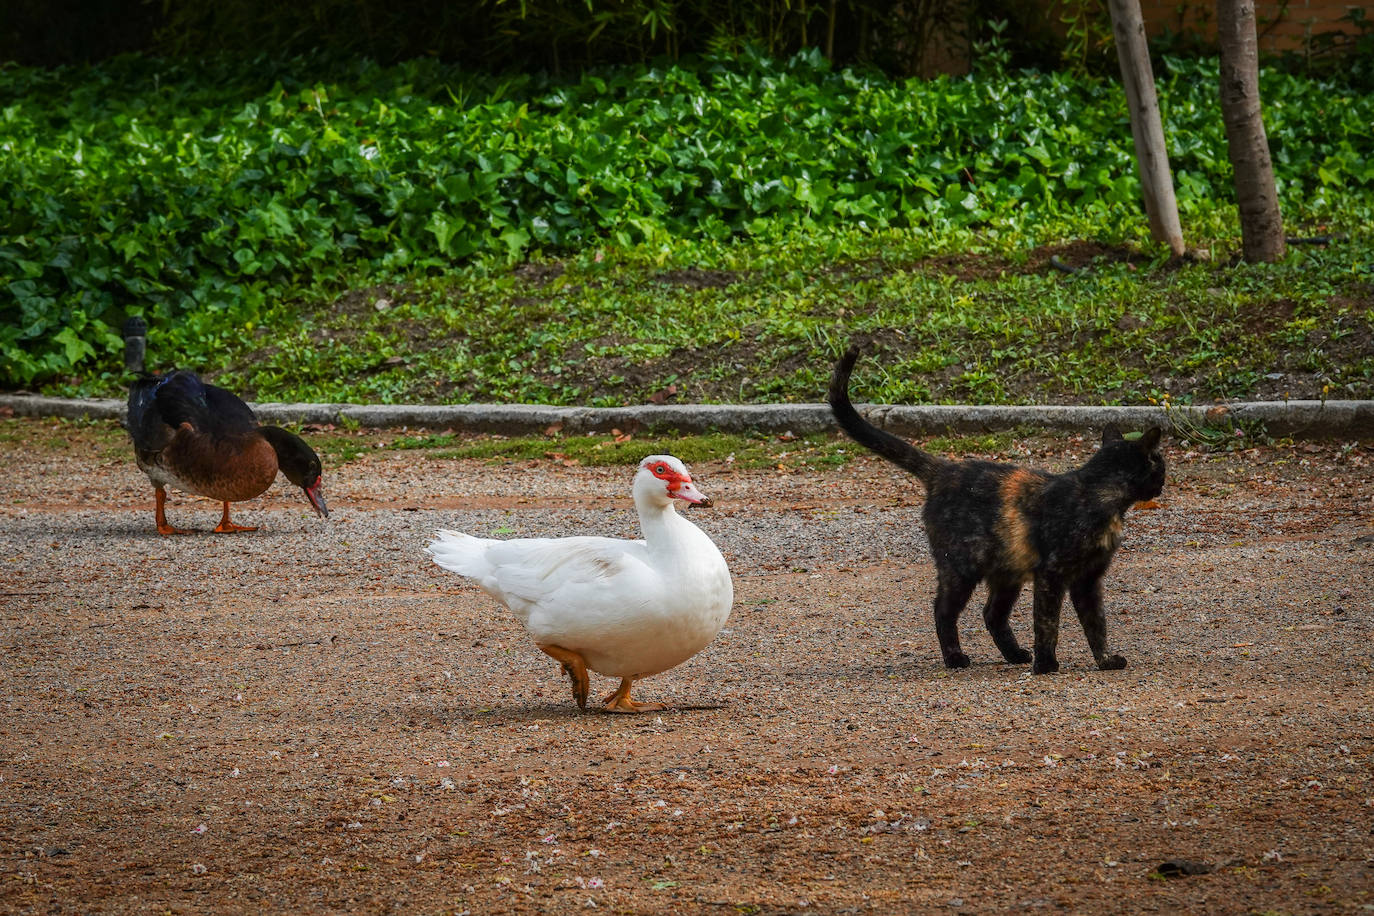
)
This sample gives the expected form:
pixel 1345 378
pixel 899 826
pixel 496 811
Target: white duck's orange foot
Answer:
pixel 575 667
pixel 618 700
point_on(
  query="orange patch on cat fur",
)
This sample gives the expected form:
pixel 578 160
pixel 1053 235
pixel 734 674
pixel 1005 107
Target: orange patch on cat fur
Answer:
pixel 1015 528
pixel 1111 538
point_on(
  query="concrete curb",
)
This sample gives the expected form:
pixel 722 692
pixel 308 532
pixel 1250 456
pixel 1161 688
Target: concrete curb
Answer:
pixel 1299 419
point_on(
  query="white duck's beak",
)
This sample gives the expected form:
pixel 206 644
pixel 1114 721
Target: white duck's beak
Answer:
pixel 689 493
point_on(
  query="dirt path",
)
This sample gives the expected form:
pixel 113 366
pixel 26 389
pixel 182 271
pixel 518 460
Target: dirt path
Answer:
pixel 313 718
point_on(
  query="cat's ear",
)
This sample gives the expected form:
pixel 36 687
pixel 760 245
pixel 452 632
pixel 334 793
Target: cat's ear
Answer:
pixel 1149 440
pixel 1111 434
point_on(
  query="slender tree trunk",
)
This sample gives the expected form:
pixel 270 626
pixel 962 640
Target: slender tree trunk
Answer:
pixel 830 34
pixel 1261 223
pixel 1152 156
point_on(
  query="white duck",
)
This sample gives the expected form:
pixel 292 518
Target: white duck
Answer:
pixel 622 608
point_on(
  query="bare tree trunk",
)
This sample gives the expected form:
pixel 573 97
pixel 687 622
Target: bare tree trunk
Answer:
pixel 1261 223
pixel 1152 157
pixel 830 34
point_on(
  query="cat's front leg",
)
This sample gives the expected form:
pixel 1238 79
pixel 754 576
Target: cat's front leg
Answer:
pixel 1086 595
pixel 1049 598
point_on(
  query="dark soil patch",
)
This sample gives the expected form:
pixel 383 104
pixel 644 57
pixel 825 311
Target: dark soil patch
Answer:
pixel 1070 257
pixel 540 274
pixel 1265 318
pixel 1073 256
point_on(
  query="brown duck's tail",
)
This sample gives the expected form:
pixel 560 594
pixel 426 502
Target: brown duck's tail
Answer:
pixel 899 452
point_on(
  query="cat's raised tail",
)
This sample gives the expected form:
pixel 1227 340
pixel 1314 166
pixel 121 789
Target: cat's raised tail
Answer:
pixel 900 452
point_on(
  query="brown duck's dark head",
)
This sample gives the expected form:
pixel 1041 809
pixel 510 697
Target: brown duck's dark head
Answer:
pixel 299 463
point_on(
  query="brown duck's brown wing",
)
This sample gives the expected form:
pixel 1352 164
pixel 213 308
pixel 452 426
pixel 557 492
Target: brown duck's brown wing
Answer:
pixel 229 468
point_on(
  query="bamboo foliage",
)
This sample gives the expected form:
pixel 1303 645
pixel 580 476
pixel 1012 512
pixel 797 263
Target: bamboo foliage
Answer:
pixel 557 36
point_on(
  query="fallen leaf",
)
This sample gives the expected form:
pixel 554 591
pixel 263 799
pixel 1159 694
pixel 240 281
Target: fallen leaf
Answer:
pixel 658 397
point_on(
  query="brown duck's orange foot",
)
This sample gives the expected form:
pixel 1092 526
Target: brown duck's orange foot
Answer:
pixel 618 700
pixel 576 669
pixel 163 526
pixel 227 527
pixel 230 528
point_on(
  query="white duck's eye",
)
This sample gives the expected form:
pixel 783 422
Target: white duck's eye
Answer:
pixel 660 470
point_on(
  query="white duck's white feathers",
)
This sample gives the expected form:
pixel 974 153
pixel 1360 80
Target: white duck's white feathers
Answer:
pixel 630 608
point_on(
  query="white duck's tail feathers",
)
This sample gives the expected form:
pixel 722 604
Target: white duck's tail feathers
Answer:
pixel 459 552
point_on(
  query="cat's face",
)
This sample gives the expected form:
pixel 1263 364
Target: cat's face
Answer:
pixel 1139 461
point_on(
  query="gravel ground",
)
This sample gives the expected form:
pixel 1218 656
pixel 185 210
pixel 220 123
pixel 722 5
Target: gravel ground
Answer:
pixel 313 718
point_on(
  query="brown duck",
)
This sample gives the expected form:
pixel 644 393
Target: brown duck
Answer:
pixel 205 440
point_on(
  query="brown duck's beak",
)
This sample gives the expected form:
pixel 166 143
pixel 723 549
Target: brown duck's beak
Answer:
pixel 316 498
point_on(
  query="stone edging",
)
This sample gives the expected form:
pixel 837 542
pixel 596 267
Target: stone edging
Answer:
pixel 1300 419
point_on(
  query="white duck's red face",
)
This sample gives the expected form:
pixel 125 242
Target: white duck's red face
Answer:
pixel 677 482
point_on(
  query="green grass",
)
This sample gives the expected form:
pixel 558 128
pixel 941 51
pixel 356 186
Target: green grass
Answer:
pixel 741 451
pixel 751 323
pixel 107 441
pixel 101 438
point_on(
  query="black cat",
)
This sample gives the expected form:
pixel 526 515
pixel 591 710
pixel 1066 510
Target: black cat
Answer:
pixel 1006 525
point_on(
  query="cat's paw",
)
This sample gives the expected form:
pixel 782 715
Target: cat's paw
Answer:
pixel 1112 663
pixel 1018 657
pixel 956 660
pixel 1045 667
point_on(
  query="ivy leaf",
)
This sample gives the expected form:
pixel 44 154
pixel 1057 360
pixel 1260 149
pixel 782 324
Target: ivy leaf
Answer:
pixel 444 228
pixel 515 240
pixel 74 348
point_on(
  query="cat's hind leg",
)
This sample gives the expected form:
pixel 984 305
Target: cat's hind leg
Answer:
pixel 951 594
pixel 1086 595
pixel 997 616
